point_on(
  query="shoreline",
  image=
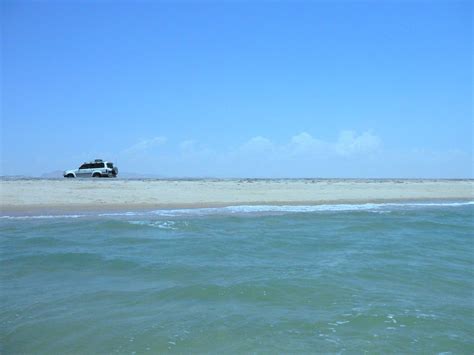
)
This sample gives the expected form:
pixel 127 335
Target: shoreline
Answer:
pixel 85 210
pixel 27 197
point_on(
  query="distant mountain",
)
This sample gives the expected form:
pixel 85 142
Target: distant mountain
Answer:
pixel 15 177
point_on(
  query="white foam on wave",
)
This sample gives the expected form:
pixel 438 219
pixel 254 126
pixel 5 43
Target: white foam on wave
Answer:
pixel 118 214
pixel 249 209
pixel 259 209
pixel 44 216
pixel 156 224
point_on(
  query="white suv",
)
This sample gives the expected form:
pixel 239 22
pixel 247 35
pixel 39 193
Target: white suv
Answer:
pixel 97 168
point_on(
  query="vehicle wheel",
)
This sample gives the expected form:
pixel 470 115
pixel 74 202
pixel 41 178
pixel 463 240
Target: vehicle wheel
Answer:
pixel 96 175
pixel 69 175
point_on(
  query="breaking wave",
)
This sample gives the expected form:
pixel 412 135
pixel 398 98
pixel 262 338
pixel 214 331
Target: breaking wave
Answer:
pixel 259 209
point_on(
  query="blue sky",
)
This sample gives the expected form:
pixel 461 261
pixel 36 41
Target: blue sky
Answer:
pixel 239 88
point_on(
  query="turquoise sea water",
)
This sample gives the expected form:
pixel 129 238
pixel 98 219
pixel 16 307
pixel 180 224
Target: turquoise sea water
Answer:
pixel 393 278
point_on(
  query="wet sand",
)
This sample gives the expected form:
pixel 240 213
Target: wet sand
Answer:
pixel 30 196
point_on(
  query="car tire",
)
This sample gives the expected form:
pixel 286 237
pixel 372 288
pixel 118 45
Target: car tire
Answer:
pixel 96 175
pixel 70 176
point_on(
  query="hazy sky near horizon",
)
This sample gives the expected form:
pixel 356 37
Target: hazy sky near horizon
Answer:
pixel 239 88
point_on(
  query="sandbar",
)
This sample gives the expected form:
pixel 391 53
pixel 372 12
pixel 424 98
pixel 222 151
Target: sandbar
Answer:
pixel 30 196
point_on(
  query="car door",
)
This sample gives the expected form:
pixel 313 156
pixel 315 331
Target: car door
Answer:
pixel 84 170
pixel 92 167
pixel 100 167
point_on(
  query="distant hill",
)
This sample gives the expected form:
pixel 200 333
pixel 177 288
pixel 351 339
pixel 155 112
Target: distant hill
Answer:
pixel 14 177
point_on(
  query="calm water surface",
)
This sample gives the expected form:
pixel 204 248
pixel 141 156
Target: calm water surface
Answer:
pixel 376 278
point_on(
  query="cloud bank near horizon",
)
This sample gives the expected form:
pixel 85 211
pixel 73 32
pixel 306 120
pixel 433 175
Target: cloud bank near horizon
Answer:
pixel 352 154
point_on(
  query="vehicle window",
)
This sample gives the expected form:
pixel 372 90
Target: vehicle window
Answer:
pixel 83 166
pixel 96 165
pixel 110 165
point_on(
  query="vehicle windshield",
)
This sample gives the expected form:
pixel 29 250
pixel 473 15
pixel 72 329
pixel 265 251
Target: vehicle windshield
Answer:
pixel 110 165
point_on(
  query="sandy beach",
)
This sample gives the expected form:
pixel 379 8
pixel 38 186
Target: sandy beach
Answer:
pixel 30 196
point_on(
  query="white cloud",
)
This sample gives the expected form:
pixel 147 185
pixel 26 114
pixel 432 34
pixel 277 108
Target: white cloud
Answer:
pixel 257 144
pixel 303 139
pixel 304 145
pixel 350 154
pixel 350 143
pixel 145 145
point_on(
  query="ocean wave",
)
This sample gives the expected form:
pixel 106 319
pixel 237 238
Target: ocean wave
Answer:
pixel 45 216
pixel 258 209
pixel 156 224
pixel 249 209
pixel 118 214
